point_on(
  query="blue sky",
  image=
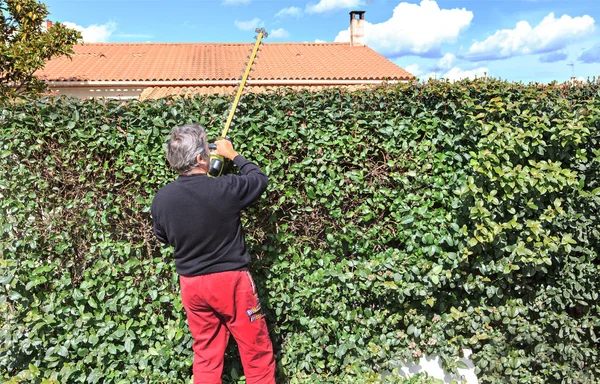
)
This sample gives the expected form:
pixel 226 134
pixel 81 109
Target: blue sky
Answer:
pixel 517 40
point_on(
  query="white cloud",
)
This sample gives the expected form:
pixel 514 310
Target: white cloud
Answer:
pixel 551 34
pixel 249 25
pixel 414 29
pixel 429 75
pixel 332 5
pixel 236 2
pixel 94 33
pixel 459 74
pixel 452 74
pixel 414 69
pixel 446 62
pixel 279 33
pixel 290 11
pixel 419 72
pixel 320 41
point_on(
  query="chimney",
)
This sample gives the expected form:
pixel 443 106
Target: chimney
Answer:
pixel 357 28
pixel 48 25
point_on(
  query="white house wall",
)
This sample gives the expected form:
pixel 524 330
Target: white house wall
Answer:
pixel 98 92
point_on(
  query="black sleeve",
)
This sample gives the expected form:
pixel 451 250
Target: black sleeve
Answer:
pixel 249 184
pixel 159 233
pixel 157 229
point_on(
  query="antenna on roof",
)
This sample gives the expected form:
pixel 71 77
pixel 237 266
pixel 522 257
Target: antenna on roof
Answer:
pixel 572 65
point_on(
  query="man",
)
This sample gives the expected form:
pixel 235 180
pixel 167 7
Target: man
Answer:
pixel 200 217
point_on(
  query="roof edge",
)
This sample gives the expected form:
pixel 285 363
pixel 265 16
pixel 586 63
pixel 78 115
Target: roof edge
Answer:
pixel 213 43
pixel 189 83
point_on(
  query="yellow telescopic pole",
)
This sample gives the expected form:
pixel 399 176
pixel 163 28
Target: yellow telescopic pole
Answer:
pixel 261 32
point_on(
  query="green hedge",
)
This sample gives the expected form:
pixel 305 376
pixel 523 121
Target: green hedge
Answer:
pixel 407 220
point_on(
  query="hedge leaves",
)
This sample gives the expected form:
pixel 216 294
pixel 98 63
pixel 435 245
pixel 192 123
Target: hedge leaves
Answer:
pixel 405 221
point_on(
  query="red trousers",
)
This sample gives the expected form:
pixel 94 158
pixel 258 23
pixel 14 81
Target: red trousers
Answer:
pixel 220 303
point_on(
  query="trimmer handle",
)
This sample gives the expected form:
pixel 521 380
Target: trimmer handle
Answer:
pixel 217 162
pixel 216 165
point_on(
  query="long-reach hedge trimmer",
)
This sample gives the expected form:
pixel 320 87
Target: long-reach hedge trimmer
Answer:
pixel 216 162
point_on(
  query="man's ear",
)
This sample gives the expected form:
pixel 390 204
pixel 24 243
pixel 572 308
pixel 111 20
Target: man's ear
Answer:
pixel 201 161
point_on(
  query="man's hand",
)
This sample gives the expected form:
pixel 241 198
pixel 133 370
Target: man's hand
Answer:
pixel 225 149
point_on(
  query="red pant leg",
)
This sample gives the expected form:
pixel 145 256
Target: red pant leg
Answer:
pixel 208 330
pixel 236 300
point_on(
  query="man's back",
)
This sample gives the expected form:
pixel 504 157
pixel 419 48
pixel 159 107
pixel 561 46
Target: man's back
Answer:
pixel 200 217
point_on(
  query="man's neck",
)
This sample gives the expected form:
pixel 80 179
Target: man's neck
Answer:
pixel 194 171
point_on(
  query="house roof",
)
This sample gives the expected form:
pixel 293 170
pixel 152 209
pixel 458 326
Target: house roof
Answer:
pixel 220 61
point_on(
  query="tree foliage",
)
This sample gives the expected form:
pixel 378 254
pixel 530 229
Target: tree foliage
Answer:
pixel 25 46
pixel 411 220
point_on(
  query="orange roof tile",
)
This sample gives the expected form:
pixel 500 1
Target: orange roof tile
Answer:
pixel 220 61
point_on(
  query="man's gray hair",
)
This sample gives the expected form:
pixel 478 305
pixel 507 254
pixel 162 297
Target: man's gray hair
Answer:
pixel 186 142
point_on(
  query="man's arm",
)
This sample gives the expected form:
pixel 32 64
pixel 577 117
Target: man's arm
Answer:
pixel 156 228
pixel 251 182
pixel 159 233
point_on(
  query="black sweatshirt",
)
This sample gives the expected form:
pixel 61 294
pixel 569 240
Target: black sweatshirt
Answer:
pixel 200 217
